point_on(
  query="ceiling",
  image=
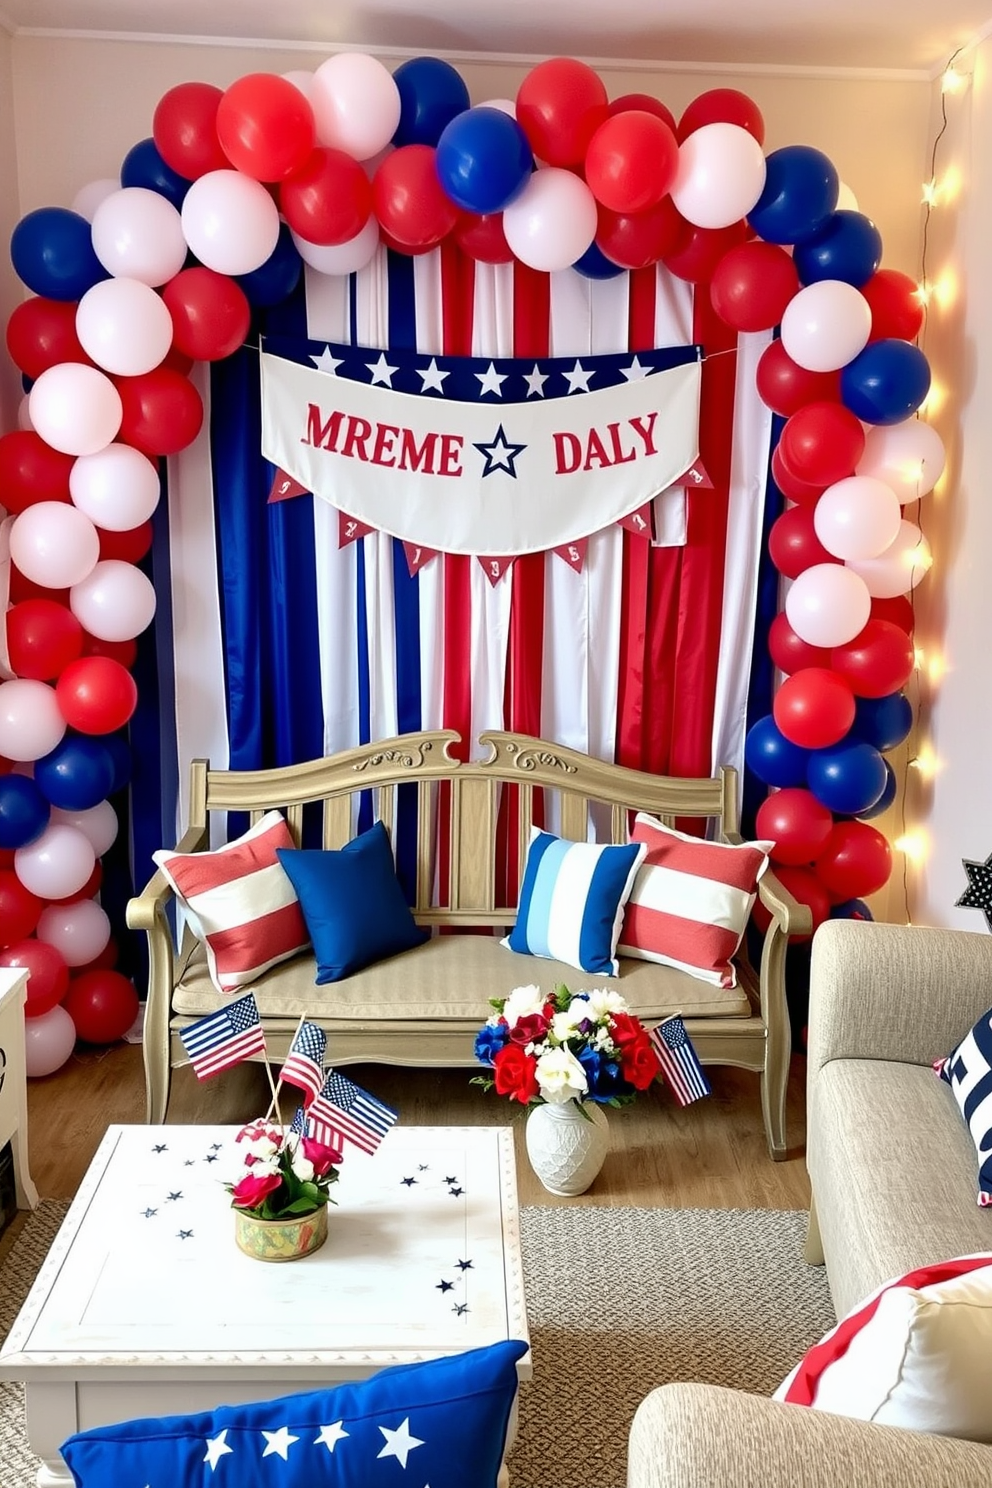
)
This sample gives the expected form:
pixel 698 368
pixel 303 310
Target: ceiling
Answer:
pixel 873 34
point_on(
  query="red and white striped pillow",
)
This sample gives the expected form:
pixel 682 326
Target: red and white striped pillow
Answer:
pixel 691 900
pixel 914 1354
pixel 240 902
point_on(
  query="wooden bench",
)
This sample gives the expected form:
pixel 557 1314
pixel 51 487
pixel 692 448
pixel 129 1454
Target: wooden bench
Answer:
pixel 424 1007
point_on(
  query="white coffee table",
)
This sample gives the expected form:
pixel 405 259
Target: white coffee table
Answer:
pixel 145 1307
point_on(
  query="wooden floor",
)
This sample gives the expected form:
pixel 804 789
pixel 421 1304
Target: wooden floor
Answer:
pixel 710 1155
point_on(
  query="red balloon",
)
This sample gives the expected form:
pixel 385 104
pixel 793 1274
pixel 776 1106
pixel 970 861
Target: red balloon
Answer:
pixel 796 822
pixel 482 237
pixel 785 387
pixel 697 258
pixel 163 412
pixel 878 661
pixel 48 975
pixel 646 104
pixel 22 588
pixel 793 545
pixel 635 241
pixel 130 546
pixel 106 961
pixel 177 361
pixel 560 105
pixel 126 652
pixel 96 695
pixel 328 199
pixel 42 638
pixel 103 1005
pixel 20 910
pixel 90 888
pixel 210 313
pixel 822 443
pixel 631 161
pixel 30 471
pixel 722 106
pixel 856 861
pixel 752 284
pixel 792 489
pixel 895 304
pixel 802 884
pixel 265 126
pixel 790 652
pixel 184 128
pixel 410 201
pixel 42 332
pixel 899 610
pixel 814 708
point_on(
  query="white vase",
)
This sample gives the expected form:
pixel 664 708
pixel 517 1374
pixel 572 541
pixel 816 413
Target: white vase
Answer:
pixel 565 1149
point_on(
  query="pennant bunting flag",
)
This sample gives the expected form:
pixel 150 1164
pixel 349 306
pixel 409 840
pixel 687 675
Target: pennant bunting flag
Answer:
pixel 697 477
pixel 494 568
pixel 284 487
pixel 641 521
pixel 417 556
pixel 350 529
pixel 574 553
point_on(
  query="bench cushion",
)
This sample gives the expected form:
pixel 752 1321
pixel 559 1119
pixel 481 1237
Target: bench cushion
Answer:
pixel 451 977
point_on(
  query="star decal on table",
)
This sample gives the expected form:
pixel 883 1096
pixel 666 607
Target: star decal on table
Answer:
pixel 172 1197
pixel 326 362
pixel 535 382
pixel 432 378
pixel 578 378
pixel 456 1193
pixel 381 371
pixel 278 1443
pixel 210 1157
pixel 464 1265
pixel 460 1309
pixel 330 1436
pixel 190 1163
pixel 635 372
pixel 445 1286
pixel 161 1147
pixel 408 1182
pixel 422 1167
pixel 399 1443
pixel 185 1235
pixel 216 1146
pixel 500 454
pixel 978 894
pixel 491 381
pixel 451 1180
pixel 216 1448
pixel 150 1213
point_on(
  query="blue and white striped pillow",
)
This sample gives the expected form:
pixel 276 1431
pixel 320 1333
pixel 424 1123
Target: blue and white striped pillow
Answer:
pixel 572 900
pixel 968 1071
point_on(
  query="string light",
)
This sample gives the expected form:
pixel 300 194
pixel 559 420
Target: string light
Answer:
pixel 930 191
pixel 912 845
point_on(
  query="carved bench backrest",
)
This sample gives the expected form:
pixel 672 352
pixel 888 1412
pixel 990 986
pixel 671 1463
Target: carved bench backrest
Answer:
pixel 467 813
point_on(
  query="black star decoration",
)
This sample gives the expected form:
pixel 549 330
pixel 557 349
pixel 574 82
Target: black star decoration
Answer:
pixel 456 1192
pixel 409 1182
pixel 172 1197
pixel 190 1163
pixel 185 1235
pixel 464 1265
pixel 499 454
pixel 210 1157
pixel 445 1286
pixel 160 1148
pixel 460 1309
pixel 422 1167
pixel 216 1146
pixel 150 1213
pixel 451 1180
pixel 978 894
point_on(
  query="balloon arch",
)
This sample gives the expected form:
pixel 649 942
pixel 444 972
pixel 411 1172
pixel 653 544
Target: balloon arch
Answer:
pixel 216 213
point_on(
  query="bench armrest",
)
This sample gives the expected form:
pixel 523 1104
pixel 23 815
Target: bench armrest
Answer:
pixel 701 1436
pixel 907 993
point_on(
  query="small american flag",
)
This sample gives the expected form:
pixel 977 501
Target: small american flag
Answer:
pixel 343 1110
pixel 679 1061
pixel 304 1065
pixel 224 1038
pixel 298 1125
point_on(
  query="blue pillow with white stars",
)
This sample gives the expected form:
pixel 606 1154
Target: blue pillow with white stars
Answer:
pixel 968 1071
pixel 442 1422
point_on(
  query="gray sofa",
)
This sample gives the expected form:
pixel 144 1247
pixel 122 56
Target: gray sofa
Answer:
pixel 893 1171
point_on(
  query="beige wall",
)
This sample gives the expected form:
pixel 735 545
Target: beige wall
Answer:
pixel 10 289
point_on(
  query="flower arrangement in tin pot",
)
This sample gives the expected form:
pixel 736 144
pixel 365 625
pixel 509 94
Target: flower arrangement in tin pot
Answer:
pixel 281 1191
pixel 567 1055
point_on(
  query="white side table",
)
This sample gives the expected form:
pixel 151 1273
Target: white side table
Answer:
pixel 13 1091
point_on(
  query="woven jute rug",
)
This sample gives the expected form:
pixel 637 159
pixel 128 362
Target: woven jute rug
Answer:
pixel 618 1302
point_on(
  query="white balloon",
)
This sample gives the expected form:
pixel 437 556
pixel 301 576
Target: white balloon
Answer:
pixel 553 220
pixel 909 457
pixel 31 723
pixel 124 326
pixel 827 605
pixel 356 104
pixel 300 79
pixel 48 1042
pixel 505 106
pixel 24 413
pixel 117 488
pixel 138 234
pixel 230 222
pixel 825 325
pixel 901 566
pixel 341 258
pixel 721 174
pixel 53 544
pixel 115 602
pixel 88 198
pixel 56 864
pixel 846 199
pixel 98 825
pixel 855 518
pixel 75 408
pixel 79 931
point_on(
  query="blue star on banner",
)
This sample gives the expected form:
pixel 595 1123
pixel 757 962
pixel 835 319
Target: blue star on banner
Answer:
pixel 500 453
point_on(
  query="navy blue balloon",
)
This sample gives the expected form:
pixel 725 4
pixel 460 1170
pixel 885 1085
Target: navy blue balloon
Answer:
pixel 432 93
pixel 846 246
pixel 77 774
pixel 52 251
pixel 483 160
pixel 24 812
pixel 144 166
pixel 851 909
pixel 119 750
pixel 886 798
pixel 800 192
pixel 275 279
pixel 847 778
pixel 886 382
pixel 594 264
pixel 883 722
pixel 772 757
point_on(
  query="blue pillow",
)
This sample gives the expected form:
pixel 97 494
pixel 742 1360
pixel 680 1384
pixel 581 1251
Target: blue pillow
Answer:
pixel 572 901
pixel 352 903
pixel 446 1419
pixel 968 1071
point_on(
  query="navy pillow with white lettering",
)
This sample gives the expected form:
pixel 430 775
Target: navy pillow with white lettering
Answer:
pixel 968 1071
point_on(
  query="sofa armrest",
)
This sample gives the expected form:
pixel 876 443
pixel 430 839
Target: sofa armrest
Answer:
pixel 701 1436
pixel 907 993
